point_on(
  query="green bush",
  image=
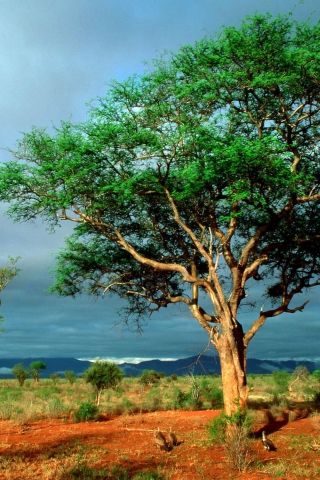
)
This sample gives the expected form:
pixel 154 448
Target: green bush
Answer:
pixel 218 427
pixel 316 375
pixel 211 393
pixel 316 398
pixel 152 401
pixel 151 377
pixel 180 398
pixel 86 412
pixel 70 376
pixel 281 380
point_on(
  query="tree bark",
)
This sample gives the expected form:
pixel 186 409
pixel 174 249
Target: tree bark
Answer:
pixel 233 372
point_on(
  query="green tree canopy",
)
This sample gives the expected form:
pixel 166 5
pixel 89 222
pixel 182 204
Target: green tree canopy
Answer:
pixel 35 368
pixel 190 183
pixel 103 375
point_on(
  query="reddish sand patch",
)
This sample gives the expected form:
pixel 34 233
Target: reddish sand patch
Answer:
pixel 41 448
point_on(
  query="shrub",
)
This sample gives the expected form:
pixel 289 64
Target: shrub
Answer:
pixel 55 377
pixel 20 372
pixel 281 380
pixel 316 398
pixel 316 375
pixel 153 401
pixel 86 412
pixel 212 393
pixel 151 377
pixel 70 376
pixel 179 398
pixel 217 429
pixel 233 432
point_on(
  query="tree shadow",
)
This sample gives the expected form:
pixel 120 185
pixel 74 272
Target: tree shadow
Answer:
pixel 272 425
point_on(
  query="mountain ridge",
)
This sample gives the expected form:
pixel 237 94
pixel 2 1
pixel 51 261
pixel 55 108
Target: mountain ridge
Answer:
pixel 196 365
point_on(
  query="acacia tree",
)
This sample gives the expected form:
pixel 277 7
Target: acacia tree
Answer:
pixel 103 375
pixel 191 183
pixel 35 368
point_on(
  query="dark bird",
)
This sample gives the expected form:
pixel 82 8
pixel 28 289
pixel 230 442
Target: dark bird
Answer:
pixel 267 443
pixel 161 441
pixel 172 439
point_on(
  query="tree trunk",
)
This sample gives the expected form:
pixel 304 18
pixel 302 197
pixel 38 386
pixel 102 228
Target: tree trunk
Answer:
pixel 234 384
pixel 98 396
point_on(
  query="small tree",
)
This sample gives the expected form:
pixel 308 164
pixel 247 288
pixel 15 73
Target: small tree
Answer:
pixel 103 375
pixel 300 373
pixel 70 376
pixel 20 372
pixel 35 368
pixel 55 377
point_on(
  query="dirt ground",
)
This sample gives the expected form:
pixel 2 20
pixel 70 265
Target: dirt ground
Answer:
pixel 49 449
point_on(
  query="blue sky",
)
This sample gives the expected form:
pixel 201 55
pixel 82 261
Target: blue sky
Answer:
pixel 55 56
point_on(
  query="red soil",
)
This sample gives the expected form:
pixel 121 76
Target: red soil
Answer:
pixel 37 450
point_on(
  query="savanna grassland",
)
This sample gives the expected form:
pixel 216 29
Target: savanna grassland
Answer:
pixel 52 430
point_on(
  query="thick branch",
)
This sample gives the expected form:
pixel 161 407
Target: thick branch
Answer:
pixel 257 324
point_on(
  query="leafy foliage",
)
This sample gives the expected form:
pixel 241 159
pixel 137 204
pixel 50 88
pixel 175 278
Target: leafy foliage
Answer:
pixel 316 374
pixel 281 379
pixel 151 377
pixel 20 372
pixel 86 412
pixel 103 375
pixel 35 368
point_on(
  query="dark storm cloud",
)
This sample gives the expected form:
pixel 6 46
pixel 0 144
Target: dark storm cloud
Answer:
pixel 56 55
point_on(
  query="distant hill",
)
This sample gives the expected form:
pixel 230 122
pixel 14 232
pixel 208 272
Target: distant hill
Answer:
pixel 204 365
pixel 211 365
pixel 54 365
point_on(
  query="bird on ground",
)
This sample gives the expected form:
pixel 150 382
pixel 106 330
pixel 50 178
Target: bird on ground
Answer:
pixel 267 443
pixel 172 438
pixel 161 441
